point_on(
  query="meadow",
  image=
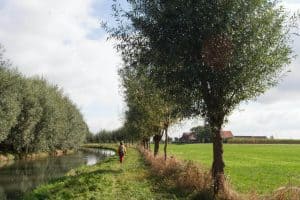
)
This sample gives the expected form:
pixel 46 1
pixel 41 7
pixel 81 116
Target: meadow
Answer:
pixel 249 167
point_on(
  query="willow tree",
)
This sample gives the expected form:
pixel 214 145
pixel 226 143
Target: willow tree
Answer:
pixel 22 134
pixel 35 115
pixel 147 108
pixel 209 55
pixel 9 96
pixel 144 105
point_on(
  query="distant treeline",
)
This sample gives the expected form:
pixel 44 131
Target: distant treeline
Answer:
pixel 105 136
pixel 35 115
pixel 261 141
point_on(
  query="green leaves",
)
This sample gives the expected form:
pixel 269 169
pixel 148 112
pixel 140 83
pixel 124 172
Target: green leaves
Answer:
pixel 35 115
pixel 148 108
pixel 207 55
pixel 9 100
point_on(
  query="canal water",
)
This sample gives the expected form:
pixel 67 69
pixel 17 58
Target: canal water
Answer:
pixel 22 176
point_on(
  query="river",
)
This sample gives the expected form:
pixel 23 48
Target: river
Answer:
pixel 22 176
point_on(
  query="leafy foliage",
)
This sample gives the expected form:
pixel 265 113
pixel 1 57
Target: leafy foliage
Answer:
pixel 36 116
pixel 203 134
pixel 214 53
pixel 149 110
pixel 207 56
pixel 105 136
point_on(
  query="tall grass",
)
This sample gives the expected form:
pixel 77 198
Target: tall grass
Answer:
pixel 194 181
pixel 286 193
pixel 188 177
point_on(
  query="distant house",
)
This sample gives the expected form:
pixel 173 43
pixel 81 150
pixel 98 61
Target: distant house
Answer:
pixel 189 137
pixel 226 135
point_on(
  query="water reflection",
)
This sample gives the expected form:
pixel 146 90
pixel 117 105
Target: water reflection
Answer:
pixel 91 160
pixel 22 176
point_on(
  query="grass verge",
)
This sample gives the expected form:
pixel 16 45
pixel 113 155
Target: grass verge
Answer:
pixel 108 180
pixel 188 178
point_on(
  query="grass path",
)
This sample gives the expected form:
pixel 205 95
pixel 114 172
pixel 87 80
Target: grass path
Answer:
pixel 107 180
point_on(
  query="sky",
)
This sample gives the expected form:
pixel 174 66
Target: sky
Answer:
pixel 62 40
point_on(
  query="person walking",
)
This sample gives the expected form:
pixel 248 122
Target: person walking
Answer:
pixel 121 151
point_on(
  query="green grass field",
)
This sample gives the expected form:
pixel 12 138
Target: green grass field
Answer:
pixel 260 168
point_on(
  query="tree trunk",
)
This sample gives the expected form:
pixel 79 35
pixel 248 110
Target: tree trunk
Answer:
pixel 218 163
pixel 147 143
pixel 156 140
pixel 166 143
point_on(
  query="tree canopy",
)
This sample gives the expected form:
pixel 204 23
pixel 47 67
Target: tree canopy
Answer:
pixel 209 56
pixel 35 115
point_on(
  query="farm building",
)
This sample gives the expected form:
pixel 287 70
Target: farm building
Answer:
pixel 192 137
pixel 226 135
pixel 189 137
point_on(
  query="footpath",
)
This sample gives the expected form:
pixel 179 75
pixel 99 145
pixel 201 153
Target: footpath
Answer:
pixel 108 180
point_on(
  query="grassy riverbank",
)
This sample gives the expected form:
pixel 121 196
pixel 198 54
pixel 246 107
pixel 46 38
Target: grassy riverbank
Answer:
pixel 8 156
pixel 106 180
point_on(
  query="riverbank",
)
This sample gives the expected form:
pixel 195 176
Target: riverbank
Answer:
pixel 112 147
pixel 22 176
pixel 7 159
pixel 107 180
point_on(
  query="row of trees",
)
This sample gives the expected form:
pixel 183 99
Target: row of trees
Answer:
pixel 35 115
pixel 185 58
pixel 149 113
pixel 105 136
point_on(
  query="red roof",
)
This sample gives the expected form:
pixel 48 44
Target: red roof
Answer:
pixel 226 134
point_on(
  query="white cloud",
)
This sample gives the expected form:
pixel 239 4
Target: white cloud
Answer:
pixel 280 119
pixel 50 38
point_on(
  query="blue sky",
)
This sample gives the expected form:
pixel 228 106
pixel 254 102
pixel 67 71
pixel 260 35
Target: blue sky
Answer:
pixel 63 41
